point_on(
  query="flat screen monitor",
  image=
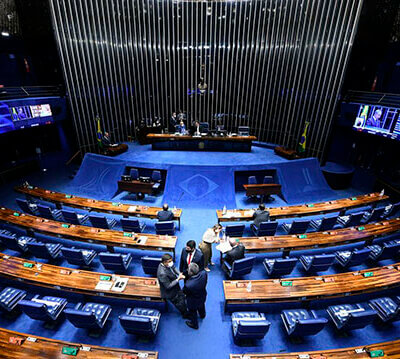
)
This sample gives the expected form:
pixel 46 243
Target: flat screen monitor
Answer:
pixel 378 120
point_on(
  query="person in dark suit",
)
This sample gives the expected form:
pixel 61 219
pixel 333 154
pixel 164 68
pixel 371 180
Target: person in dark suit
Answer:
pixel 173 121
pixel 196 294
pixel 196 128
pixel 182 128
pixel 260 215
pixel 165 214
pixel 237 252
pixel 168 278
pixel 190 254
pixel 106 140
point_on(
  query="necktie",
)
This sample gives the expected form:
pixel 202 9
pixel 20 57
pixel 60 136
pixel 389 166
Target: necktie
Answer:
pixel 190 258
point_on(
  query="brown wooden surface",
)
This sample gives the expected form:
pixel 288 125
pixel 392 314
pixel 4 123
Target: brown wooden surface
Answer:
pixel 116 150
pixel 93 204
pixel 286 153
pixel 311 288
pixel 153 137
pixel 135 186
pixel 321 239
pixel 308 209
pixel 106 237
pixel 262 189
pixel 79 281
pixel 50 348
pixel 391 350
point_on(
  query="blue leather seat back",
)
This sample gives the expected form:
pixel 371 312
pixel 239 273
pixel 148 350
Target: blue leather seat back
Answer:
pixel 70 216
pixel 252 180
pixel 130 225
pixel 387 309
pixel 267 228
pixel 10 241
pixel 73 256
pixel 112 261
pixel 134 173
pixel 167 227
pixel 253 329
pixel 234 230
pixel 268 179
pixel 309 326
pixel 299 227
pixel 376 214
pixel 150 265
pixel 359 320
pixel 284 266
pixel 242 266
pixel 81 319
pixel 156 176
pixel 136 324
pixel 39 249
pixel 34 310
pixel 9 298
pixel 301 322
pixel 327 223
pixel 355 219
pixel 45 211
pixel 24 205
pixel 322 262
pixel 358 256
pixel 98 221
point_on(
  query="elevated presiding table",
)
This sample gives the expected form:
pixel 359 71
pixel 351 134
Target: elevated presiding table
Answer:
pixel 389 349
pixel 107 237
pixel 77 280
pixel 308 209
pixel 265 189
pixel 200 143
pixel 88 204
pixel 311 288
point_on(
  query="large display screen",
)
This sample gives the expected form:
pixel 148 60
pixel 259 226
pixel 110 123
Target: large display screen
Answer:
pixel 19 117
pixel 378 120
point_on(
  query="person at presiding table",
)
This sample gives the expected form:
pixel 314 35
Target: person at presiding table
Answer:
pixel 190 254
pixel 168 278
pixel 196 128
pixel 196 294
pixel 165 214
pixel 182 128
pixel 106 140
pixel 260 215
pixel 237 252
pixel 210 236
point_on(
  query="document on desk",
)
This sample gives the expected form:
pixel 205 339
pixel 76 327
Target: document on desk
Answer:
pixel 104 285
pixel 120 284
pixel 142 240
pixel 132 208
pixel 224 247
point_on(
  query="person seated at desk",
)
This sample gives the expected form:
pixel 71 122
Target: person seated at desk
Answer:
pixel 106 141
pixel 196 128
pixel 190 254
pixel 165 214
pixel 173 121
pixel 260 215
pixel 182 128
pixel 374 120
pixel 237 252
pixel 210 236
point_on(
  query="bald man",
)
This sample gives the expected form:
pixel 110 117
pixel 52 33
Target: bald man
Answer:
pixel 237 252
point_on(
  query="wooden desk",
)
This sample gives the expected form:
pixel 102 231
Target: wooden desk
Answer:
pixel 88 204
pixel 136 187
pixel 303 210
pixel 77 281
pixel 286 153
pixel 203 143
pixel 390 349
pixel 116 150
pixel 311 288
pixel 51 348
pixel 262 189
pixel 312 240
pixel 107 237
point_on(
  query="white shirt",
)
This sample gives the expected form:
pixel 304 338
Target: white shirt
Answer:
pixel 210 236
pixel 190 256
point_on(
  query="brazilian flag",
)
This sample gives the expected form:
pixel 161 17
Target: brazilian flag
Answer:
pixel 302 143
pixel 99 133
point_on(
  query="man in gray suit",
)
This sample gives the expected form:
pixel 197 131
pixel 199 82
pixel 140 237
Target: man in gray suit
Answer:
pixel 260 215
pixel 168 278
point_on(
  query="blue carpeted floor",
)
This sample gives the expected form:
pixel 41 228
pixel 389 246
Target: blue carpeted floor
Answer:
pixel 174 340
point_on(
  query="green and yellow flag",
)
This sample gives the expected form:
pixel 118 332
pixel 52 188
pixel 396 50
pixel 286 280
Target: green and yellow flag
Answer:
pixel 99 133
pixel 302 143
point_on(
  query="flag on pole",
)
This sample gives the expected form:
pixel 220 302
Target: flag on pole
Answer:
pixel 302 143
pixel 99 133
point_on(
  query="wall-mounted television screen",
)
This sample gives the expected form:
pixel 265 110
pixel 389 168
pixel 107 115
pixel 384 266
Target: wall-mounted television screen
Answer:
pixel 378 120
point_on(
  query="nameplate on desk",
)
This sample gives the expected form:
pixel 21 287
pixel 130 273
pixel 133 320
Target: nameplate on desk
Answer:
pixel 368 274
pixel 304 356
pixel 310 205
pixel 85 349
pixel 150 282
pixel 16 340
pixel 302 236
pixel 129 356
pixel 132 208
pixel 115 204
pixel 29 187
pixel 127 234
pixel 329 279
pixel 31 339
pixel 16 214
pixel 64 225
pixel 64 271
pixel 376 353
pixel 241 285
pixel 353 198
pixel 286 283
pixel 70 351
pixel 68 196
pixel 361 228
pixel 105 277
pixel 28 265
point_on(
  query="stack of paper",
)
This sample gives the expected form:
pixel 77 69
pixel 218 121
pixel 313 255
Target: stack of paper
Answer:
pixel 104 285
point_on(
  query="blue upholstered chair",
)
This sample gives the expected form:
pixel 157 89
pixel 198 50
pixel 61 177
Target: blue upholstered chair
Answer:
pixel 268 180
pixel 234 230
pixel 47 212
pixel 280 266
pixel 249 325
pixel 240 267
pixel 150 265
pixel 132 225
pixel 48 251
pixel 317 263
pixel 166 227
pixel 88 316
pixel 73 217
pixel 80 257
pixel 384 251
pixel 46 309
pixel 252 180
pixel 388 310
pixel 115 261
pixel 351 316
pixel 296 227
pixel 140 321
pixel 352 258
pixel 134 173
pixel 27 207
pixel 351 220
pixel 11 241
pixel 156 178
pixel 102 222
pixel 374 216
pixel 391 210
pixel 264 229
pixel 323 224
pixel 301 322
pixel 9 298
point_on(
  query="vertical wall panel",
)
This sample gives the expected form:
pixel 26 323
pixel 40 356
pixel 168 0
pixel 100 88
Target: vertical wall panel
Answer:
pixel 269 64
